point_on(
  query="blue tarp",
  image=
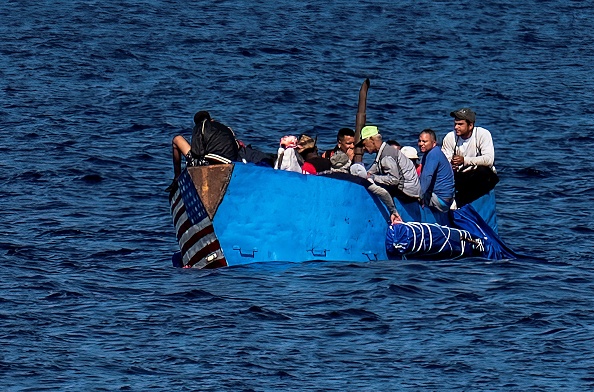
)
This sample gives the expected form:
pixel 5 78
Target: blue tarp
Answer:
pixel 467 235
pixel 466 218
pixel 430 241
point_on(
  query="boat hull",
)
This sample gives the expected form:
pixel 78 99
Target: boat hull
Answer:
pixel 265 215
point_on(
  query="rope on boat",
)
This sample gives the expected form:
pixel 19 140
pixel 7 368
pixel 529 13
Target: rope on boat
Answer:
pixel 423 241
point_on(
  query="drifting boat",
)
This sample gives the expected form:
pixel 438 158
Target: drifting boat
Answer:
pixel 237 213
pixel 234 214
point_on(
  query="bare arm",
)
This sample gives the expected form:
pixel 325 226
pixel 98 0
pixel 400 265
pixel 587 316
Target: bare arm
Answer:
pixel 180 147
pixel 388 201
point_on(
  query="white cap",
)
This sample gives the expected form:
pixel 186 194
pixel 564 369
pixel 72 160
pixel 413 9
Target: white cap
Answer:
pixel 410 152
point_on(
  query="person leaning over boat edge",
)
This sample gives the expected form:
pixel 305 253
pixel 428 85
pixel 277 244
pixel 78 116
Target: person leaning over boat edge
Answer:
pixel 212 142
pixel 391 169
pixel 437 176
pixel 472 155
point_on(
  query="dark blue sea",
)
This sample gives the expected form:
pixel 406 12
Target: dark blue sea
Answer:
pixel 92 93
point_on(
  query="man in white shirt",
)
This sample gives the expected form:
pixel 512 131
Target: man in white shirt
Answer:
pixel 471 153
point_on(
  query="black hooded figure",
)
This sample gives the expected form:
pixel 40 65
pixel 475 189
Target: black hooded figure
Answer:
pixel 212 137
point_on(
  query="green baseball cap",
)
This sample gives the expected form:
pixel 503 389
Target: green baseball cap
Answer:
pixel 368 131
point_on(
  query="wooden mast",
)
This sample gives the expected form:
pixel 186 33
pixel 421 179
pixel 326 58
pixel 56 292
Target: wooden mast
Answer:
pixel 360 120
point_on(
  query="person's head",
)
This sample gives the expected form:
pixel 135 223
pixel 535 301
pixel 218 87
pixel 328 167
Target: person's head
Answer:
pixel 306 145
pixel 464 120
pixel 410 153
pixel 345 140
pixel 288 141
pixel 371 140
pixel 200 116
pixel 340 162
pixel 394 144
pixel 427 140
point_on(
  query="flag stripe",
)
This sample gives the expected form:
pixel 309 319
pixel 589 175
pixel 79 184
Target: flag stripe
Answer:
pixel 196 237
pixel 177 200
pixel 210 248
pixel 200 247
pixel 222 262
pixel 185 226
pixel 178 215
pixel 186 234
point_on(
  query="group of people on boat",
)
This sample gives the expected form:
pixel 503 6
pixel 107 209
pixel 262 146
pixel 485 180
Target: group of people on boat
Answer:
pixel 446 177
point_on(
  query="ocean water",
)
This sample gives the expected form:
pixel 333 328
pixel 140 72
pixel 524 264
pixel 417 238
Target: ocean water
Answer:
pixel 92 93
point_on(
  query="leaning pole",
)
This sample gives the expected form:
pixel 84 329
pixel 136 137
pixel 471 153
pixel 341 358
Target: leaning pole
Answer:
pixel 360 120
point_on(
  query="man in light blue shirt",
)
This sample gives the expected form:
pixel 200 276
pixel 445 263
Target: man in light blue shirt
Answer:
pixel 437 176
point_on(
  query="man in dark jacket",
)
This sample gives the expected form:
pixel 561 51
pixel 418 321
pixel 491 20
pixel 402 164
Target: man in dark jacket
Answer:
pixel 212 142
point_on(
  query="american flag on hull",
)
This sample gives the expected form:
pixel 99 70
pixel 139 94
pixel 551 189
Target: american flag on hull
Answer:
pixel 198 242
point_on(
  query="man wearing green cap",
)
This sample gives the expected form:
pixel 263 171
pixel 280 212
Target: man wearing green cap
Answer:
pixel 391 169
pixel 471 153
